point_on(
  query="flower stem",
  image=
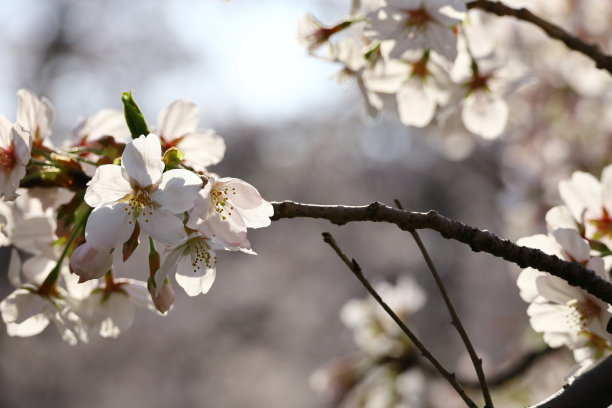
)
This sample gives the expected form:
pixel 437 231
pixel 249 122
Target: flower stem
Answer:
pixel 53 276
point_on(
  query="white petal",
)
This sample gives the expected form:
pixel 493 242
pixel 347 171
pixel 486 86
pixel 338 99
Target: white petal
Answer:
pixel 163 226
pixel 573 244
pixel 22 141
pixel 119 315
pixel 142 159
pixel 20 305
pixel 484 114
pixel 202 149
pixel 195 279
pixel 255 211
pixel 177 190
pixel 108 226
pixel 107 186
pixel 606 184
pixel 14 269
pixel 29 327
pixel 582 191
pixel 548 317
pixel 178 119
pixel 170 264
pixel 560 217
pixel 415 107
pixel 526 282
pixel 544 243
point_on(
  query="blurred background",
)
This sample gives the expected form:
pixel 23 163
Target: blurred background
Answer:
pixel 293 132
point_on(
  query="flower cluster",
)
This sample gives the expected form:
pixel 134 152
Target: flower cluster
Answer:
pixel 577 231
pixel 426 55
pixel 106 222
pixel 384 370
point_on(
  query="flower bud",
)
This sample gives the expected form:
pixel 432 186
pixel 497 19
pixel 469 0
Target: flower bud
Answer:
pixel 164 299
pixel 89 263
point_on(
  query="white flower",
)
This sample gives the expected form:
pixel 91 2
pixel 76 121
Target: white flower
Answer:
pixel 138 190
pixel 374 330
pixel 36 115
pixel 590 203
pixel 418 25
pixel 177 127
pixel 194 261
pixel 15 146
pixel 28 310
pixel 106 122
pixel 226 207
pixel 567 315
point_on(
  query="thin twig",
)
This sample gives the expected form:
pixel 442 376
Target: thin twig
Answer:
pixel 356 269
pixel 517 368
pixel 476 361
pixel 602 61
pixel 572 272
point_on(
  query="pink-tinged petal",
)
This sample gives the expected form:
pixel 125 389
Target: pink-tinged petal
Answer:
pixel 163 226
pixel 484 114
pixel 556 290
pixel 107 186
pixel 108 226
pixel 573 244
pixel 547 317
pixel 582 191
pixel 14 269
pixel 202 149
pixel 89 263
pixel 606 184
pixel 560 217
pixel 6 136
pixel 542 242
pixel 142 159
pixel 22 142
pixel 178 119
pixel 526 283
pixel 34 114
pixel 230 230
pixel 195 279
pixel 177 190
pixel 106 122
pixel 169 265
pixel 164 299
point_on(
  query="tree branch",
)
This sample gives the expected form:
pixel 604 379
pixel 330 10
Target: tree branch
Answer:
pixel 356 269
pixel 476 361
pixel 572 272
pixel 591 388
pixel 602 61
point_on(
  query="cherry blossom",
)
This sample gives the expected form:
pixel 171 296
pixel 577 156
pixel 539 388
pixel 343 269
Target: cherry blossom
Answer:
pixel 36 115
pixel 177 127
pixel 138 191
pixel 226 207
pixel 15 146
pixel 417 25
pixel 567 315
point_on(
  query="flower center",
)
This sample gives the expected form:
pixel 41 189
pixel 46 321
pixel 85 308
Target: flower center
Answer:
pixel 582 312
pixel 200 252
pixel 8 160
pixel 219 196
pixel 140 204
pixel 417 18
pixel 602 225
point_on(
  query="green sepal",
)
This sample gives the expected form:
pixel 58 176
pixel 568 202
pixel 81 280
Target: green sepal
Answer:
pixel 133 116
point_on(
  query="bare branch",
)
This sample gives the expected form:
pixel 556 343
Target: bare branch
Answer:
pixel 602 61
pixel 356 269
pixel 592 388
pixel 476 361
pixel 517 368
pixel 572 272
